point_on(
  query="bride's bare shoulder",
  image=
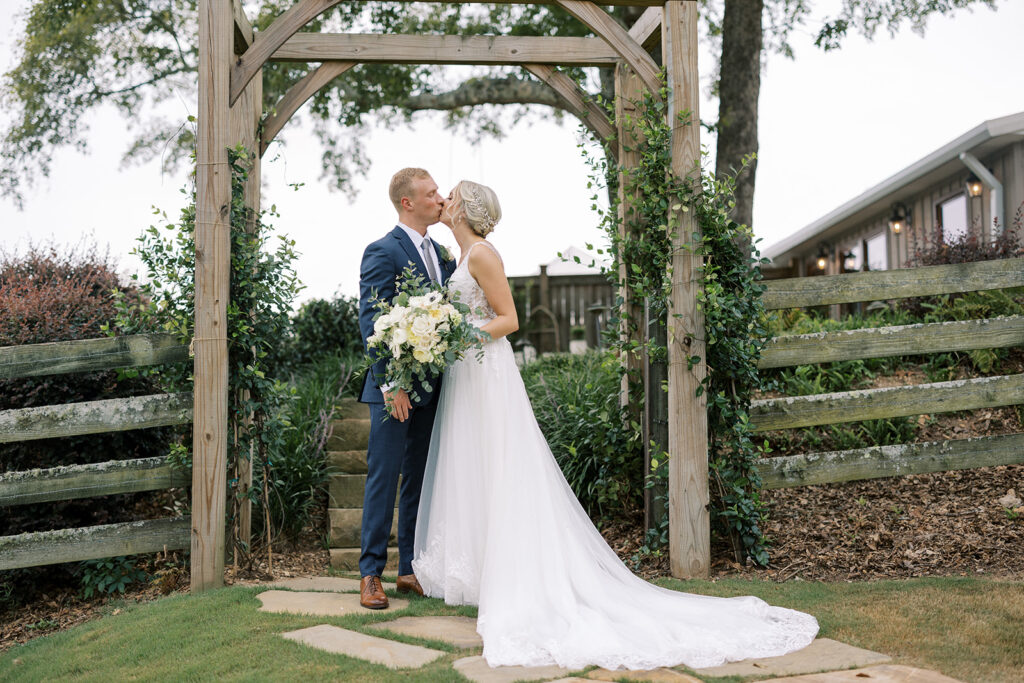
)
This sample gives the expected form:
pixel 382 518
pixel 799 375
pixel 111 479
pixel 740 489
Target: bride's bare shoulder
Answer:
pixel 485 257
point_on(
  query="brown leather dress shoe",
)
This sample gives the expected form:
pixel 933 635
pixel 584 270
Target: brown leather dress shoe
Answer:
pixel 409 584
pixel 371 593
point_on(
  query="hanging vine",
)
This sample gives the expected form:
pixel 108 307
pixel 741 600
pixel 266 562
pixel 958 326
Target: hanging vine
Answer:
pixel 730 297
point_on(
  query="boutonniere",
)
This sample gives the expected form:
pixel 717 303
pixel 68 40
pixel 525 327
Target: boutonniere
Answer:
pixel 445 253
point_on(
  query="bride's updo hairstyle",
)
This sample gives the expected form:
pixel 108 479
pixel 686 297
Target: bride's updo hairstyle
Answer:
pixel 480 206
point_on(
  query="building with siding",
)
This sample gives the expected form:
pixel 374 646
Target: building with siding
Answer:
pixel 974 183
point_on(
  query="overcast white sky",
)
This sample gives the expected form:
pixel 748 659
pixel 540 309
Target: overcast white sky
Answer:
pixel 831 125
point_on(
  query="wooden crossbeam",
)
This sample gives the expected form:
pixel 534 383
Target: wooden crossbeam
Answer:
pixel 646 31
pixel 297 96
pixel 90 355
pixel 580 102
pixel 90 480
pixel 243 29
pixel 430 49
pixel 602 23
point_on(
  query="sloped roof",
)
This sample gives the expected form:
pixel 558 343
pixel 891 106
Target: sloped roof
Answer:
pixel 979 141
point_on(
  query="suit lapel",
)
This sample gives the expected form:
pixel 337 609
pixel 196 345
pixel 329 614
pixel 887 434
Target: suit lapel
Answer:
pixel 446 266
pixel 411 251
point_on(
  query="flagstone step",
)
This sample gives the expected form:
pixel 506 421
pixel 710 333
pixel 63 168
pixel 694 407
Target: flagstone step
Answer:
pixel 346 490
pixel 332 584
pixel 350 407
pixel 390 653
pixel 477 669
pixel 319 603
pixel 824 654
pixel 347 462
pixel 349 434
pixel 457 631
pixel 346 525
pixel 347 559
pixel 885 673
pixel 662 675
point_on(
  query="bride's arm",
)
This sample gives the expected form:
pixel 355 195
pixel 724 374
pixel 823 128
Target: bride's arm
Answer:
pixel 485 266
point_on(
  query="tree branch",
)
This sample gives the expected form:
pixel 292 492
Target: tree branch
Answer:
pixel 477 91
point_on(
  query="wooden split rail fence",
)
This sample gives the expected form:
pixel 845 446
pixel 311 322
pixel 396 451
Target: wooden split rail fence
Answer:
pixel 100 479
pixel 872 404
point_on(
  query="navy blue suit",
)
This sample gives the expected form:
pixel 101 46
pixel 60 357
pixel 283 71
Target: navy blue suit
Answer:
pixel 395 447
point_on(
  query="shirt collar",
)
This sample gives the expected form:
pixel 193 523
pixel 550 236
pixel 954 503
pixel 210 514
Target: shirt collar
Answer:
pixel 417 239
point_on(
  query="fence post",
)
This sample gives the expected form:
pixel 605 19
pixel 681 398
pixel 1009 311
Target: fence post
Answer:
pixel 689 525
pixel 212 279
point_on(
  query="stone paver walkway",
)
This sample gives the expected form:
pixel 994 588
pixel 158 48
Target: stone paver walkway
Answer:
pixel 338 596
pixel 823 654
pixel 390 653
pixel 318 604
pixel 457 631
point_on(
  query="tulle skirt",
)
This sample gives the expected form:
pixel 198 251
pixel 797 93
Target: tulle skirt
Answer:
pixel 499 527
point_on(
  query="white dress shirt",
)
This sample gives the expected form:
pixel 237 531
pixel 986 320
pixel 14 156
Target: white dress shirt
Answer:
pixel 417 241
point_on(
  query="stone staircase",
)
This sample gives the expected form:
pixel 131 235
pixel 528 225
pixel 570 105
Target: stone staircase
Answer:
pixel 346 457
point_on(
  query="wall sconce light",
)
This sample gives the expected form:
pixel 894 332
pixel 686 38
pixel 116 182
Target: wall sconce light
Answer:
pixel 822 257
pixel 899 218
pixel 974 186
pixel 849 261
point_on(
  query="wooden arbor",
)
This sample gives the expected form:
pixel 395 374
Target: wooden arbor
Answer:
pixel 231 57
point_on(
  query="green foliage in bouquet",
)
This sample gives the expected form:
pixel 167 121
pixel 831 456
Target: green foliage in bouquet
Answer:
pixel 422 331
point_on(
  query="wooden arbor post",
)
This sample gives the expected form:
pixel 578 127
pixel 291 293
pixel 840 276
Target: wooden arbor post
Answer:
pixel 212 279
pixel 689 522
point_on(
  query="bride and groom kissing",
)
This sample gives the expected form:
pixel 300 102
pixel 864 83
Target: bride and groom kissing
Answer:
pixel 485 516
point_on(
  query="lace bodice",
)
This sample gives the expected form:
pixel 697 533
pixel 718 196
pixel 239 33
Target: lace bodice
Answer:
pixel 467 290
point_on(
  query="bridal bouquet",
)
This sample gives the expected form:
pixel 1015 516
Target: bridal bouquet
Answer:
pixel 420 333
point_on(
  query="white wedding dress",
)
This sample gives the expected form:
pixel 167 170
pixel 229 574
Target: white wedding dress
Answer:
pixel 499 527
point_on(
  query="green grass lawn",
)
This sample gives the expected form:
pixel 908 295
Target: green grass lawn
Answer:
pixel 972 629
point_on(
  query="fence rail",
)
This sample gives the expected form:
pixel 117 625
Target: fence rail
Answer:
pixel 902 283
pixel 95 417
pixel 884 342
pixel 89 543
pixel 872 404
pixel 90 355
pixel 85 481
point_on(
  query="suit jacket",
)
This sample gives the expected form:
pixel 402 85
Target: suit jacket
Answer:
pixel 383 262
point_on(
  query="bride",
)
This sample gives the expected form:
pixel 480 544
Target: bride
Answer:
pixel 499 526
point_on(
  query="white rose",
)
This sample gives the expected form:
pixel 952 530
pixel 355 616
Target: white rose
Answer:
pixel 417 302
pixel 422 326
pixel 399 336
pixel 422 355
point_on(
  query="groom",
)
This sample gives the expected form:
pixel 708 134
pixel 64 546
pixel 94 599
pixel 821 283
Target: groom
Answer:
pixel 399 437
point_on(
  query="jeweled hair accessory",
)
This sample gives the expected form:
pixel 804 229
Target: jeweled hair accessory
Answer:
pixel 477 204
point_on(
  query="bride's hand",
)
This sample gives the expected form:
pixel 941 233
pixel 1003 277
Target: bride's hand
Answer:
pixel 398 404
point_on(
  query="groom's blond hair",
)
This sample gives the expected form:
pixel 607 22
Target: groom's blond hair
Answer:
pixel 401 184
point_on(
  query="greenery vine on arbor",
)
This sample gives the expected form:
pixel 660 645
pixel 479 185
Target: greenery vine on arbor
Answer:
pixel 263 285
pixel 735 318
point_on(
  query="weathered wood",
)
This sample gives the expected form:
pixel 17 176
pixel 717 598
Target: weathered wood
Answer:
pixel 603 25
pixel 89 543
pixel 213 255
pixel 689 524
pixel 579 102
pixel 95 417
pixel 296 96
pixel 90 355
pixel 893 284
pixel 901 340
pixel 875 404
pixel 890 461
pixel 242 27
pixel 646 30
pixel 434 49
pixel 87 481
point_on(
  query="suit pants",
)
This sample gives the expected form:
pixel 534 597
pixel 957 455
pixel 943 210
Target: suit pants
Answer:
pixel 394 448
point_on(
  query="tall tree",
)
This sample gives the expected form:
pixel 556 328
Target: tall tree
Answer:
pixel 74 57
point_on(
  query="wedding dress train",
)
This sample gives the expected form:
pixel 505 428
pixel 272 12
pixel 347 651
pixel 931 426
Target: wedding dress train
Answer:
pixel 499 527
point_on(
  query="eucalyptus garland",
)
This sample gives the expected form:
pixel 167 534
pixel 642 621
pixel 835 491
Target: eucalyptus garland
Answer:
pixel 730 297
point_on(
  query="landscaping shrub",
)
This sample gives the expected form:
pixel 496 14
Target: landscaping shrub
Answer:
pixel 321 328
pixel 576 401
pixel 298 489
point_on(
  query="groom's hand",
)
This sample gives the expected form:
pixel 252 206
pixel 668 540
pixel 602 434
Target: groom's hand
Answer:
pixel 399 404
